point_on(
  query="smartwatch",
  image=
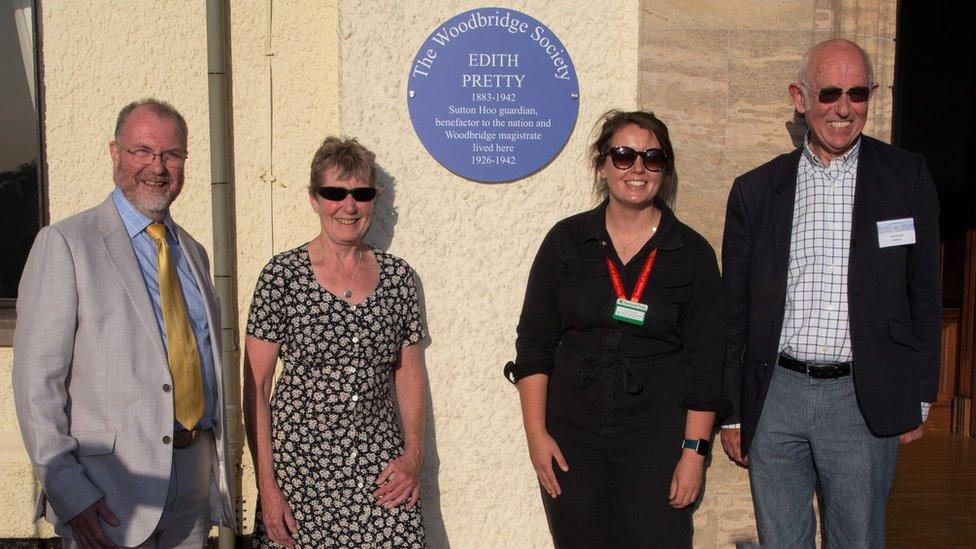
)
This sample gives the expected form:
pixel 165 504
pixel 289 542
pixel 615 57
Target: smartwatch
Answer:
pixel 699 445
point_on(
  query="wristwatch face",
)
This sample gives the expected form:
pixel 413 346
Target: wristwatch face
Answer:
pixel 701 445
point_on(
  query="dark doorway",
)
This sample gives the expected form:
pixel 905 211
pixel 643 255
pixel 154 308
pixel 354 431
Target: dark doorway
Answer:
pixel 934 115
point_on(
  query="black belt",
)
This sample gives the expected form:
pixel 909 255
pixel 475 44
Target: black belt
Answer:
pixel 182 439
pixel 816 371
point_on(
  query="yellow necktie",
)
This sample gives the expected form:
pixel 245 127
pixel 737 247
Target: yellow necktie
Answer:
pixel 181 345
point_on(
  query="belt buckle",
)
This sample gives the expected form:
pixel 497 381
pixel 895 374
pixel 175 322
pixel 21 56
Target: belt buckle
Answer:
pixel 182 439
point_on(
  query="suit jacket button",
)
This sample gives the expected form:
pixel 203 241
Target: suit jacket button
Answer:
pixel 166 387
pixel 166 439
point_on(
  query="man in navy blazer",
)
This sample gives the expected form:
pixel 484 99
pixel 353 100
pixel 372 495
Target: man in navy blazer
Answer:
pixel 831 274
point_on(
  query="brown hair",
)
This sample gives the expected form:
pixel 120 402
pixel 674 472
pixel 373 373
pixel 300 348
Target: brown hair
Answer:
pixel 613 121
pixel 351 158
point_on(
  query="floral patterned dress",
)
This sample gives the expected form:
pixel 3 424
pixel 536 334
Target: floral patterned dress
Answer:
pixel 334 421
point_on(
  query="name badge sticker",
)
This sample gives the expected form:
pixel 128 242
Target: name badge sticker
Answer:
pixel 630 312
pixel 896 232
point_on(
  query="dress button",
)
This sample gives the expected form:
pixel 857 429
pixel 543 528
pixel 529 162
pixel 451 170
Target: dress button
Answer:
pixel 166 388
pixel 352 454
pixel 355 398
pixel 166 439
pixel 355 340
pixel 830 307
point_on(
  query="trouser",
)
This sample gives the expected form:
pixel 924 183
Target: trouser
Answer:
pixel 617 501
pixel 809 430
pixel 185 521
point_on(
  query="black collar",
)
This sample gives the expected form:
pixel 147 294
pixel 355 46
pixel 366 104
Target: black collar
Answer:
pixel 667 236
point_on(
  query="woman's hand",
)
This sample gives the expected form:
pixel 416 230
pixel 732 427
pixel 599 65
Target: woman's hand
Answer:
pixel 399 482
pixel 687 479
pixel 542 450
pixel 277 517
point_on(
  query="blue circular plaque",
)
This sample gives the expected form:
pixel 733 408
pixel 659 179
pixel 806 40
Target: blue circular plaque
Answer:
pixel 493 95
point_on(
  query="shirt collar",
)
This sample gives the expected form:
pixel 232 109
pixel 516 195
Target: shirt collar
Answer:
pixel 845 162
pixel 665 238
pixel 135 221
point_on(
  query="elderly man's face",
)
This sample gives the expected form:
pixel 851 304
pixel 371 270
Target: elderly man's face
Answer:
pixel 150 189
pixel 834 126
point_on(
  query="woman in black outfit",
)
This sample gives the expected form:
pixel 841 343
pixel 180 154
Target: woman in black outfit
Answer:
pixel 620 352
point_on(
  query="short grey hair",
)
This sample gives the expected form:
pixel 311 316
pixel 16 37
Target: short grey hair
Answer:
pixel 160 108
pixel 803 72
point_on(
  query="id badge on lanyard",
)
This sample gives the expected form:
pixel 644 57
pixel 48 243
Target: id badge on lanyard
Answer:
pixel 631 311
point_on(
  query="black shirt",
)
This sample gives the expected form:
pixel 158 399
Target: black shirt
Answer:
pixel 569 302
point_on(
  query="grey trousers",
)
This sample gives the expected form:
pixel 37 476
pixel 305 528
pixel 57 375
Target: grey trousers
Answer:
pixel 810 430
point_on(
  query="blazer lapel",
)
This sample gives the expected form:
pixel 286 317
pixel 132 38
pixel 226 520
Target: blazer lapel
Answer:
pixel 784 195
pixel 119 249
pixel 865 196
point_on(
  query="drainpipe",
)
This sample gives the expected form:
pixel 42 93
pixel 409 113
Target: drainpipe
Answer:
pixel 225 280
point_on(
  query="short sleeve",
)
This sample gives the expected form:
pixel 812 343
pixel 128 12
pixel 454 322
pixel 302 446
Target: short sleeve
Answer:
pixel 413 324
pixel 266 320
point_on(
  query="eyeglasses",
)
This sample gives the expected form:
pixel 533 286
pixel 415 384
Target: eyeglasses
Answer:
pixel 335 194
pixel 145 157
pixel 624 157
pixel 830 94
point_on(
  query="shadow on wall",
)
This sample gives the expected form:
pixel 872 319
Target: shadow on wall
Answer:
pixel 797 129
pixel 430 491
pixel 380 235
pixel 385 214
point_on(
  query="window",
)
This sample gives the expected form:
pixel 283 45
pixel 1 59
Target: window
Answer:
pixel 21 195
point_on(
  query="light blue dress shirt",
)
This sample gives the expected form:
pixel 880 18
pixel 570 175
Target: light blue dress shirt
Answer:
pixel 145 250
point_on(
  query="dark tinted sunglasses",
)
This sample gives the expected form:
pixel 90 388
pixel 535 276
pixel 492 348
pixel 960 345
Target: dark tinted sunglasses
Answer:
pixel 335 194
pixel 624 157
pixel 857 94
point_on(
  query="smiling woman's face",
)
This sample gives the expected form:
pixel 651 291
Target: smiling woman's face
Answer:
pixel 345 221
pixel 634 187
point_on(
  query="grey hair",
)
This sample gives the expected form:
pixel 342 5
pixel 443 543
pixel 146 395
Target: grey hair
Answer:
pixel 160 108
pixel 803 72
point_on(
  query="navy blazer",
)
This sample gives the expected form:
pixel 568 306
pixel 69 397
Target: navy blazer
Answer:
pixel 893 293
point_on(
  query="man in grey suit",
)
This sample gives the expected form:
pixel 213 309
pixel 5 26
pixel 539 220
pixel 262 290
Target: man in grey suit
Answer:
pixel 117 361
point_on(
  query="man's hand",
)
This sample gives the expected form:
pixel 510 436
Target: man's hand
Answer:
pixel 87 528
pixel 732 442
pixel 912 436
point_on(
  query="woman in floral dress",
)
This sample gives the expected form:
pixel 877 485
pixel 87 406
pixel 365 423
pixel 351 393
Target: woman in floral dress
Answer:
pixel 333 467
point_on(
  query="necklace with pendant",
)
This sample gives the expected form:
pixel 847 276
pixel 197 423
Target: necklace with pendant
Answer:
pixel 347 292
pixel 625 248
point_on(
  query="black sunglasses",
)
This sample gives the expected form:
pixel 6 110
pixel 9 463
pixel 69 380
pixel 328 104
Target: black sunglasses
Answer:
pixel 335 194
pixel 857 94
pixel 624 157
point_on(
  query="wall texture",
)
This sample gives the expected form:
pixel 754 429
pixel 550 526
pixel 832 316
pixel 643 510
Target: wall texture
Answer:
pixel 300 70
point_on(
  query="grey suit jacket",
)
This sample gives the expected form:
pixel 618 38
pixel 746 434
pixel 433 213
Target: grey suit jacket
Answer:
pixel 89 370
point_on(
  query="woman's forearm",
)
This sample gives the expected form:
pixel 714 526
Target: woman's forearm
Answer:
pixel 411 378
pixel 532 394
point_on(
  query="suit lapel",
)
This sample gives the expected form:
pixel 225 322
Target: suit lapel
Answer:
pixel 119 249
pixel 784 196
pixel 865 196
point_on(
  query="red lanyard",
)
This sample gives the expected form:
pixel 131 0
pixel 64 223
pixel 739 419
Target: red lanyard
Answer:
pixel 618 285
